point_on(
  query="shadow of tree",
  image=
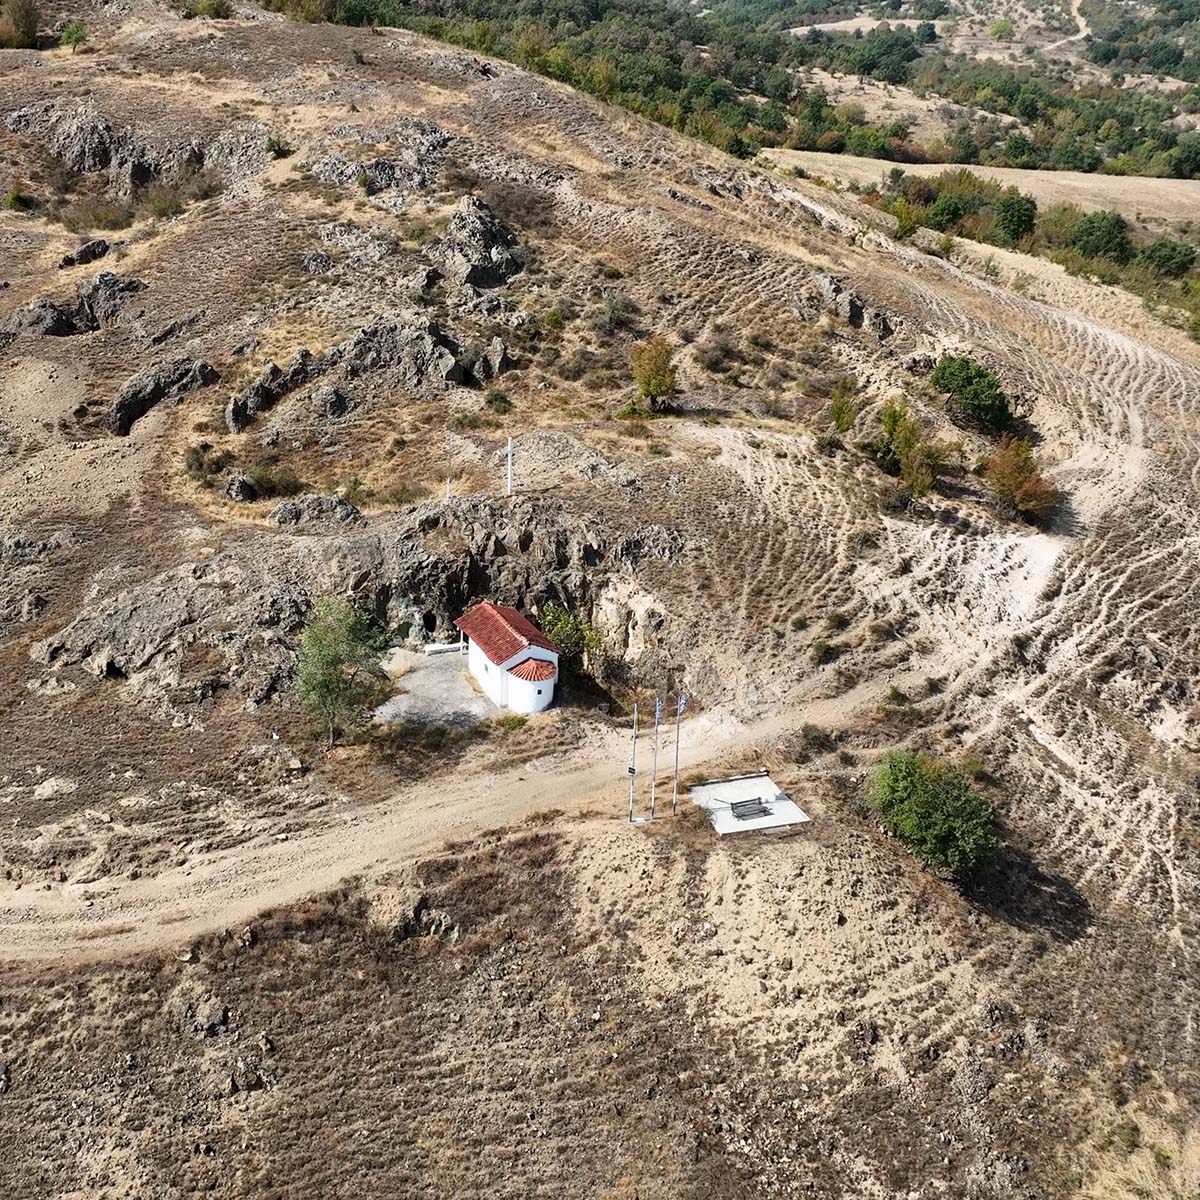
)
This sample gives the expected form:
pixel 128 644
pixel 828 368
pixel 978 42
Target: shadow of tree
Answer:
pixel 1016 890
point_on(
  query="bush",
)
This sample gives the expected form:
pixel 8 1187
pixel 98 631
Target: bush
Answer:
pixel 1012 473
pixel 944 212
pixel 1016 216
pixel 1103 235
pixel 1168 258
pixel 842 409
pixel 934 810
pixel 904 450
pixel 497 401
pixel 277 147
pixel 653 371
pixel 213 10
pixel 975 390
pixel 19 21
pixel 269 479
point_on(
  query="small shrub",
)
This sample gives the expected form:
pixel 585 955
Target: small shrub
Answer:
pixel 271 479
pixel 277 147
pixel 497 401
pixel 577 640
pixel 19 20
pixel 838 621
pixel 74 34
pixel 213 10
pixel 90 213
pixel 842 409
pixel 510 722
pixel 18 200
pixel 1012 473
pixel 934 810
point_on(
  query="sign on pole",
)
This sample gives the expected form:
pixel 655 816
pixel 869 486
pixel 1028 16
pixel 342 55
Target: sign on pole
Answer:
pixel 680 705
pixel 632 761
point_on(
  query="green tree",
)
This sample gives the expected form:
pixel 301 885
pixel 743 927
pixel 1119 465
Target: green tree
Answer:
pixel 74 34
pixel 934 810
pixel 1103 235
pixel 945 211
pixel 1015 217
pixel 339 678
pixel 577 641
pixel 19 21
pixel 653 371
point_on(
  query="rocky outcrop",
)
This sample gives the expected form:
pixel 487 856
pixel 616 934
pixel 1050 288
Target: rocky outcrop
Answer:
pixel 80 136
pixel 170 380
pixel 416 150
pixel 98 302
pixel 833 295
pixel 271 386
pixel 322 512
pixel 477 247
pixel 411 346
pixel 491 361
pixel 416 573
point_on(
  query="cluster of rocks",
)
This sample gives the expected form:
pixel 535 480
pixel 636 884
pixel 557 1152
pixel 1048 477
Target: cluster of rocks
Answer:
pixel 79 135
pixel 829 294
pixel 97 303
pixel 414 351
pixel 477 247
pixel 416 154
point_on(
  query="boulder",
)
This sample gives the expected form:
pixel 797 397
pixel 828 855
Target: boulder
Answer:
pixel 835 296
pixel 329 403
pixel 97 303
pixel 170 380
pixel 477 247
pixel 87 253
pixel 239 489
pixel 317 510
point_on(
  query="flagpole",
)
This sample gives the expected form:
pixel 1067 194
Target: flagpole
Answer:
pixel 679 706
pixel 632 761
pixel 654 758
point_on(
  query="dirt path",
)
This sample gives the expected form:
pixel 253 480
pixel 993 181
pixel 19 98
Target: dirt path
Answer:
pixel 1084 30
pixel 227 890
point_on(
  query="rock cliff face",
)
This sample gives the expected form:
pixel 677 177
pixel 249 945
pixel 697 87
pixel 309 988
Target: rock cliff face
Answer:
pixel 415 574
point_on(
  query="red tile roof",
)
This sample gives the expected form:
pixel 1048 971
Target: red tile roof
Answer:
pixel 501 632
pixel 535 670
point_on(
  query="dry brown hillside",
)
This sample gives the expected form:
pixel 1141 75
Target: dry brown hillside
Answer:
pixel 340 267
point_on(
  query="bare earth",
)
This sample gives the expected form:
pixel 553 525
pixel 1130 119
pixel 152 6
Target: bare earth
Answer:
pixel 438 962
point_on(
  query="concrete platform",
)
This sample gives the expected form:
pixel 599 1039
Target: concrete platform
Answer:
pixel 433 690
pixel 762 804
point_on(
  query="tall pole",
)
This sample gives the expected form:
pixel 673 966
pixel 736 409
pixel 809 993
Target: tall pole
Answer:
pixel 680 703
pixel 632 761
pixel 510 466
pixel 658 706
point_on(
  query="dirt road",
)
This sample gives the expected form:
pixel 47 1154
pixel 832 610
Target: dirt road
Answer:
pixel 86 922
pixel 1153 200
